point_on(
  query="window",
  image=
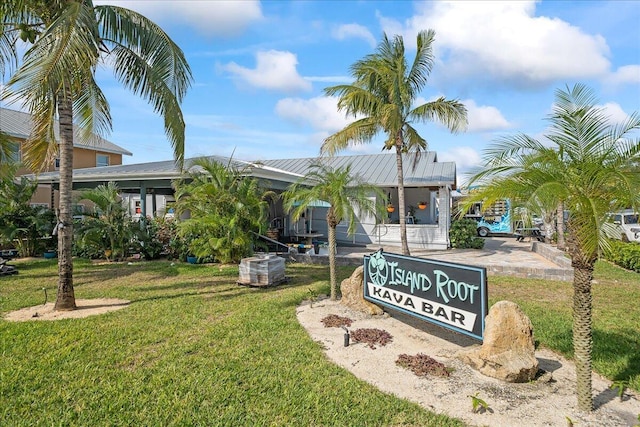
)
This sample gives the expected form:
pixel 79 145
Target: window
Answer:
pixel 102 160
pixel 57 164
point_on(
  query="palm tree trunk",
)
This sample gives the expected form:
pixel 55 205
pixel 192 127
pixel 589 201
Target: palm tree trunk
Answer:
pixel 401 207
pixel 560 226
pixel 332 262
pixel 65 299
pixel 582 335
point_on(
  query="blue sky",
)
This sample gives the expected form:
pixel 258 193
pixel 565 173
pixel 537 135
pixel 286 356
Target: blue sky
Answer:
pixel 260 69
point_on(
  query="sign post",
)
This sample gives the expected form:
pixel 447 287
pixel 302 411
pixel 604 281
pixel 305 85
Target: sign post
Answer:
pixel 450 295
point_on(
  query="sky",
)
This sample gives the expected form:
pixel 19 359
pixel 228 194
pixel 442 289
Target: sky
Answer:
pixel 260 69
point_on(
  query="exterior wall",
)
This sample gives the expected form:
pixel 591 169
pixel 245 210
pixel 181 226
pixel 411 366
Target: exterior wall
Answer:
pixel 428 236
pixel 86 158
pixel 82 158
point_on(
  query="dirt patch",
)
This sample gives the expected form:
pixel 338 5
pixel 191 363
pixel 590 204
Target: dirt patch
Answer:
pixel 548 401
pixel 86 307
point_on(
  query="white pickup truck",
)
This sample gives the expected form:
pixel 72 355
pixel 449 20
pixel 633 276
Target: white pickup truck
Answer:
pixel 628 226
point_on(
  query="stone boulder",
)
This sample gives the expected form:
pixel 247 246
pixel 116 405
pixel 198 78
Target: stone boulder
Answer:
pixel 352 290
pixel 508 351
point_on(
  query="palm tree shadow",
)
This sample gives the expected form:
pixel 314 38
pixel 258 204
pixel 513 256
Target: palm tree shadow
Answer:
pixel 622 342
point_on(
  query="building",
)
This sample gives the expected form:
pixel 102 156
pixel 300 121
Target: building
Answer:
pixel 17 125
pixel 147 188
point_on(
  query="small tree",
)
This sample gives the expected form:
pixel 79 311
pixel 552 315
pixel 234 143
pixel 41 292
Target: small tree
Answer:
pixel 590 168
pixel 108 231
pixel 347 195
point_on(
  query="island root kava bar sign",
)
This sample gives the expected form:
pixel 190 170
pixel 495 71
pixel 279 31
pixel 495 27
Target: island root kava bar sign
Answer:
pixel 450 295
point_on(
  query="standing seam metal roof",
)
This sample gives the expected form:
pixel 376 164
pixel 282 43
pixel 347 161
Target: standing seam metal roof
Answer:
pixel 381 169
pixel 376 169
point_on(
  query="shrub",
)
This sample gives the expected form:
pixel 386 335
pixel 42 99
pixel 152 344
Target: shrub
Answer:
pixel 626 255
pixel 463 235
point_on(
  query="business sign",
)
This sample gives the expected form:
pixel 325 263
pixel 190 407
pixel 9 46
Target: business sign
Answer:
pixel 450 295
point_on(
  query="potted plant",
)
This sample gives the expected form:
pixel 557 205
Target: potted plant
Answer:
pixel 422 205
pixel 50 253
pixel 390 208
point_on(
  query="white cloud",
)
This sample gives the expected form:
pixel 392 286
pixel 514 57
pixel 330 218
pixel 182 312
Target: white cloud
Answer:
pixel 627 74
pixel 275 70
pixel 217 18
pixel 466 159
pixel 484 118
pixel 615 112
pixel 321 113
pixel 504 40
pixel 354 31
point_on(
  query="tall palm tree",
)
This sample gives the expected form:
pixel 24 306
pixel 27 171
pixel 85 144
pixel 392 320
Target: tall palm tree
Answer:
pixel 589 169
pixel 55 80
pixel 348 196
pixel 383 95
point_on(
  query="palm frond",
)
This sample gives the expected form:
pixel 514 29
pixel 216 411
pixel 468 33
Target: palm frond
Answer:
pixel 149 63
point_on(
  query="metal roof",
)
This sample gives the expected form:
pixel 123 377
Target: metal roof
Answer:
pixel 18 124
pixel 377 169
pixel 381 169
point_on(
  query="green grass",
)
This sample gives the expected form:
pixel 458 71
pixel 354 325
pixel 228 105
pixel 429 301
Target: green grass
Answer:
pixel 193 348
pixel 616 317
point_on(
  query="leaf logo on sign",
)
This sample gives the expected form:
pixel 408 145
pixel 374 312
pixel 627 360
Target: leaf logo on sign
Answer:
pixel 378 269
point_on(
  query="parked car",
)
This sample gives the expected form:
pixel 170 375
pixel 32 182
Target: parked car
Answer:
pixel 628 228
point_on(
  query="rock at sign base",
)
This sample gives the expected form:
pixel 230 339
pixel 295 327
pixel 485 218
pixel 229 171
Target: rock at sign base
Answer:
pixel 508 351
pixel 352 290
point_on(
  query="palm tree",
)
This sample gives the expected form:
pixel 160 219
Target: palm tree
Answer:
pixel 383 94
pixel 589 168
pixel 225 207
pixel 8 156
pixel 349 198
pixel 55 80
pixel 109 228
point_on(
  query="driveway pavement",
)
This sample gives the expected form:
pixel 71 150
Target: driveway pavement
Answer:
pixel 500 256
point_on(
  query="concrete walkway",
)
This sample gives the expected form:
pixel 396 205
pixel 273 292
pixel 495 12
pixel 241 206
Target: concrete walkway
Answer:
pixel 501 256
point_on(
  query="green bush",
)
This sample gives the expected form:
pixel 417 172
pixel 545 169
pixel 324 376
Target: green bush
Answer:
pixel 463 235
pixel 624 254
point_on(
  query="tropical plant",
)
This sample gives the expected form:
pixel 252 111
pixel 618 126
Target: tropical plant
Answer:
pixel 382 99
pixel 464 235
pixel 107 231
pixel 149 238
pixel 25 227
pixel 55 79
pixel 349 197
pixel 588 167
pixel 225 207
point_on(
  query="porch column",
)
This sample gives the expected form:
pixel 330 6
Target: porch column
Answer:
pixel 154 203
pixel 444 211
pixel 143 200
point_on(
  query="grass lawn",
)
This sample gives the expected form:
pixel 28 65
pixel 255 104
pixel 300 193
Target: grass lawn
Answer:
pixel 194 348
pixel 616 317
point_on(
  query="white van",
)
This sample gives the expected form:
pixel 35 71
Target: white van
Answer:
pixel 628 226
